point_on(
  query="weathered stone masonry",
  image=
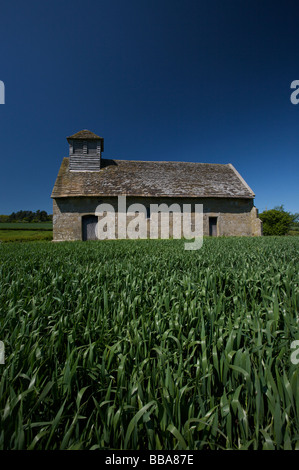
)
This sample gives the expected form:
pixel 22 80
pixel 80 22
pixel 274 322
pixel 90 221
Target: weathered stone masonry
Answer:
pixel 235 217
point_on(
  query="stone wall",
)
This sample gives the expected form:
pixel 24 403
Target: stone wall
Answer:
pixel 235 217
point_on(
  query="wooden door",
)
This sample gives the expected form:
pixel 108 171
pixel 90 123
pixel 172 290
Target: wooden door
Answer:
pixel 213 226
pixel 89 223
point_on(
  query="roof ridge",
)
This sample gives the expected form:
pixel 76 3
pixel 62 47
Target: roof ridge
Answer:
pixel 164 161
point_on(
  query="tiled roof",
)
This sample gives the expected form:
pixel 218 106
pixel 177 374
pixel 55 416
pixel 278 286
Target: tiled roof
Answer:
pixel 139 178
pixel 85 135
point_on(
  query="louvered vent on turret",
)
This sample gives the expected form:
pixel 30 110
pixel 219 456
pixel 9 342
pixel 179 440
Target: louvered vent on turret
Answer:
pixel 85 151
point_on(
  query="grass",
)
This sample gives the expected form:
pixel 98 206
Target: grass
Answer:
pixel 25 235
pixel 125 345
pixel 26 226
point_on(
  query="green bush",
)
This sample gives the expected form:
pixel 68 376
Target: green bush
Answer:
pixel 276 222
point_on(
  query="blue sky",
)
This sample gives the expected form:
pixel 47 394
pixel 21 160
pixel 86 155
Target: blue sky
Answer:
pixel 177 80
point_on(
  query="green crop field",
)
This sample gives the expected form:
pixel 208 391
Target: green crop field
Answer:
pixel 142 345
pixel 26 226
pixel 25 235
pixel 25 232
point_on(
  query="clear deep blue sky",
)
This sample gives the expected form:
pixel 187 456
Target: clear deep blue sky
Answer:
pixel 181 80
